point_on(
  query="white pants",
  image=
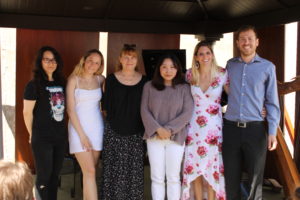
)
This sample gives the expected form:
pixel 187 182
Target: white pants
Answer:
pixel 165 157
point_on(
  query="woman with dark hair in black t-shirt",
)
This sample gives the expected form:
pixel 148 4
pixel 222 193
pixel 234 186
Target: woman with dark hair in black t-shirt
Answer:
pixel 43 111
pixel 123 167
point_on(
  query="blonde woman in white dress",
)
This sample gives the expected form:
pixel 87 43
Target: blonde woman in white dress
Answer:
pixel 86 123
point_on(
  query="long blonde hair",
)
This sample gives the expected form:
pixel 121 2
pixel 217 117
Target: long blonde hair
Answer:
pixel 195 79
pixel 79 68
pixel 128 49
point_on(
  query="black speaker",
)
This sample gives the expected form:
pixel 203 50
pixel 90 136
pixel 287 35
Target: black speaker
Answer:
pixel 150 58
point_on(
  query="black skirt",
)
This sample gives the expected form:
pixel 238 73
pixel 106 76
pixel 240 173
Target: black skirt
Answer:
pixel 123 167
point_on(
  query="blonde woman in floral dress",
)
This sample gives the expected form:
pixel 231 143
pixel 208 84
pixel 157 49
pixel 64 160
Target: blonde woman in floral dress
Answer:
pixel 203 164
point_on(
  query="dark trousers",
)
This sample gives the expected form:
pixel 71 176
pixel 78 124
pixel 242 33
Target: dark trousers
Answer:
pixel 48 156
pixel 244 148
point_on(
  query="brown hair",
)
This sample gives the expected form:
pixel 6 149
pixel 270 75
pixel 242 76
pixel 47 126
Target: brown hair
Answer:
pixel 128 49
pixel 246 28
pixel 78 71
pixel 16 181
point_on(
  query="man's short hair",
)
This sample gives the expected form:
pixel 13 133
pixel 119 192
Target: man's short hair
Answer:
pixel 245 28
pixel 16 181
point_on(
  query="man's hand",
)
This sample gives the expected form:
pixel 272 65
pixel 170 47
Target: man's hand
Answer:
pixel 272 142
pixel 264 112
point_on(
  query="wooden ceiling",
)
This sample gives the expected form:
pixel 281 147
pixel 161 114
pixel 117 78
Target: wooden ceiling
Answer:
pixel 147 16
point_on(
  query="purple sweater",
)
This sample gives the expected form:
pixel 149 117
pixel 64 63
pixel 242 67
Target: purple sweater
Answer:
pixel 170 108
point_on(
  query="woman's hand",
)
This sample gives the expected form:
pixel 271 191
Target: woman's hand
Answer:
pixel 29 140
pixel 85 143
pixel 163 133
pixel 264 112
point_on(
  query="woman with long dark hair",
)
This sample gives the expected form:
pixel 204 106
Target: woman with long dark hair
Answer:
pixel 166 109
pixel 43 111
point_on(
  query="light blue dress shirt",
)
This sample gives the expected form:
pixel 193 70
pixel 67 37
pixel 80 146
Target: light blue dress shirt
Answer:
pixel 252 86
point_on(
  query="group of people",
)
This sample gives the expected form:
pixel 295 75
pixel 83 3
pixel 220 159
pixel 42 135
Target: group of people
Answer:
pixel 200 153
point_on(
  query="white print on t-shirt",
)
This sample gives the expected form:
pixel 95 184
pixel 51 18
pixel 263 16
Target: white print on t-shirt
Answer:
pixel 57 102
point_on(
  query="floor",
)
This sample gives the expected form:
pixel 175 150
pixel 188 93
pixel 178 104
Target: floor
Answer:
pixel 65 190
pixel 67 183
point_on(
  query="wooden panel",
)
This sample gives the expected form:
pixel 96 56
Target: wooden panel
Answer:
pixel 71 46
pixel 271 47
pixel 142 41
pixel 270 39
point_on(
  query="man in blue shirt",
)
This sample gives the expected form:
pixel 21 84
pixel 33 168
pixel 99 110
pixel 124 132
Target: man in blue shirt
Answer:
pixel 246 139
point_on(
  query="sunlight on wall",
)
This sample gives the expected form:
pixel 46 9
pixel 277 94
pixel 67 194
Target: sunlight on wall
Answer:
pixel 8 89
pixel 223 48
pixel 290 54
pixel 103 48
pixel 188 42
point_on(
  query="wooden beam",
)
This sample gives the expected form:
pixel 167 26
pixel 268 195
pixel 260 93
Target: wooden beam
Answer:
pixel 297 109
pixel 286 165
pixel 288 87
pixel 203 26
pixel 103 25
pixel 262 20
pixel 288 124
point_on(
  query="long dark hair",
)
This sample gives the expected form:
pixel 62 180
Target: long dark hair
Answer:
pixel 39 75
pixel 158 81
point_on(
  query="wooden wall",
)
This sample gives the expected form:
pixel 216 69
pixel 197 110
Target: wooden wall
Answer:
pixel 271 47
pixel 70 44
pixel 142 41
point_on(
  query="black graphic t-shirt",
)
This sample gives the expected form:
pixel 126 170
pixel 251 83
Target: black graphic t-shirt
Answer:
pixel 48 112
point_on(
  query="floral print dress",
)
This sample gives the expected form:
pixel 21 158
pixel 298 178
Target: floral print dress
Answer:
pixel 203 156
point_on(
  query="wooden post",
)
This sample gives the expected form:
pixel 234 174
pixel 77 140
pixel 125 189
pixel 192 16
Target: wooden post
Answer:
pixel 287 169
pixel 297 109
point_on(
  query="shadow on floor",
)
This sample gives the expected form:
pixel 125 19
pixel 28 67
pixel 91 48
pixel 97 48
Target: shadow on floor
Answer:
pixel 64 193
